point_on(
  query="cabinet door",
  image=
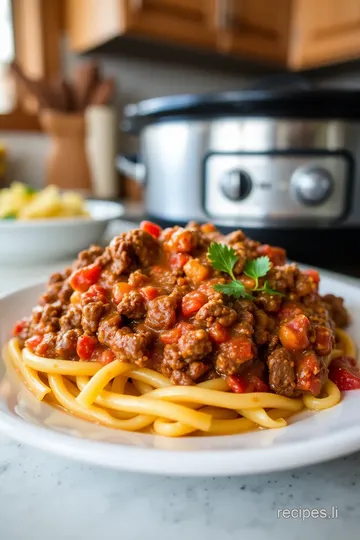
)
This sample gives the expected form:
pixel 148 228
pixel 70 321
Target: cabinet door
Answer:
pixel 324 31
pixel 254 28
pixel 91 23
pixel 179 21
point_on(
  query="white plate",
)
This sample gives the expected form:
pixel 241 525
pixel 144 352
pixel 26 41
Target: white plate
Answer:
pixel 55 239
pixel 310 438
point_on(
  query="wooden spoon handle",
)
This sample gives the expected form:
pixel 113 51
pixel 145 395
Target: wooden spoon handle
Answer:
pixel 103 92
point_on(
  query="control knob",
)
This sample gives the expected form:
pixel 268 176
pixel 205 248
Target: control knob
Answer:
pixel 312 186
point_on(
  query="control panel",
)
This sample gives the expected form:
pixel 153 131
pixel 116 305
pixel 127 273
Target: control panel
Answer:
pixel 276 187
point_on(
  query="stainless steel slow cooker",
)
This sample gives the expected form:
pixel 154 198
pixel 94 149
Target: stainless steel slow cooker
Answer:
pixel 269 162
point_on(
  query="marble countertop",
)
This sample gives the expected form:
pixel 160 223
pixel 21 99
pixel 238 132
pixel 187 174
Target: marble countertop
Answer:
pixel 48 497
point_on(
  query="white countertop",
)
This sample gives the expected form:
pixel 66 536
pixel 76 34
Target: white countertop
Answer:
pixel 46 497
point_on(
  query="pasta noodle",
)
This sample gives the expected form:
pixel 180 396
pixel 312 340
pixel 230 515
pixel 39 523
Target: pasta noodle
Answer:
pixel 124 396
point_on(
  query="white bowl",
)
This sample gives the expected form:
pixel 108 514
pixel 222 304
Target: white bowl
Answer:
pixel 54 239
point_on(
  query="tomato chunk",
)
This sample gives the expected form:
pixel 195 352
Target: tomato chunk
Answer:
pixel 192 302
pixel 345 373
pixel 314 274
pixel 241 384
pixel 196 271
pixel 218 333
pixel 86 346
pixel 33 342
pixel 294 333
pixel 178 260
pixel 324 340
pixel 106 357
pixel 239 348
pixel 19 326
pixel 82 279
pixel 256 384
pixel 149 292
pixel 208 228
pixel 308 373
pixel 151 228
pixel 182 241
pixel 119 290
pixel 172 336
pixel 276 255
pixel 96 293
pixel 237 383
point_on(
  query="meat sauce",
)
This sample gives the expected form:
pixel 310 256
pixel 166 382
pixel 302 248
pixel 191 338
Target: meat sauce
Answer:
pixel 148 298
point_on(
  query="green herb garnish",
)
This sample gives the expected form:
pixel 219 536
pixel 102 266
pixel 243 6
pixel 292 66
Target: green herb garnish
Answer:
pixel 224 258
pixel 234 288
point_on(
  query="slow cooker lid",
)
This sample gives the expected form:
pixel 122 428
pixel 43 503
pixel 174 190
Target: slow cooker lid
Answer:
pixel 327 103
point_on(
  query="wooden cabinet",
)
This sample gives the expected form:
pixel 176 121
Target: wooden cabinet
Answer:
pixel 93 22
pixel 293 33
pixel 254 28
pixel 324 32
pixel 186 22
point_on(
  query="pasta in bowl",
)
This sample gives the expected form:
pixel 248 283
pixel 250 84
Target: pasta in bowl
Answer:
pixel 49 225
pixel 20 201
pixel 184 331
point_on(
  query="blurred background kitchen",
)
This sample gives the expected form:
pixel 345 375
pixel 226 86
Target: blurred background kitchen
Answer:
pixel 273 149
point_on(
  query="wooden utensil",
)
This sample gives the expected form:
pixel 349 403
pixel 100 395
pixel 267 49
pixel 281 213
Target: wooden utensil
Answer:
pixel 39 89
pixel 103 92
pixel 85 80
pixel 68 93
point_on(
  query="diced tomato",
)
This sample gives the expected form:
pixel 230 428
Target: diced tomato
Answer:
pixel 96 293
pixel 345 373
pixel 119 290
pixel 308 373
pixel 289 311
pixel 240 348
pixel 151 228
pixel 294 333
pixel 82 279
pixel 218 333
pixel 106 357
pixel 250 382
pixel 33 342
pixel 172 336
pixel 208 228
pixel 206 286
pixel 256 384
pixel 19 326
pixel 196 271
pixel 178 260
pixel 237 383
pixel 149 292
pixel 86 346
pixel 182 241
pixel 276 255
pixel 314 274
pixel 324 340
pixel 192 302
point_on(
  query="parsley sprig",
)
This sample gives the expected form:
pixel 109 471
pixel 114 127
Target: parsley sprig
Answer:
pixel 224 258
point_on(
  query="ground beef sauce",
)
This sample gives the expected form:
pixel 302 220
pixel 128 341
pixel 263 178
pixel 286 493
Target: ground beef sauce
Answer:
pixel 148 298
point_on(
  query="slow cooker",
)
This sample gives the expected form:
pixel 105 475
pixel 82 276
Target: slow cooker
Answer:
pixel 283 165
